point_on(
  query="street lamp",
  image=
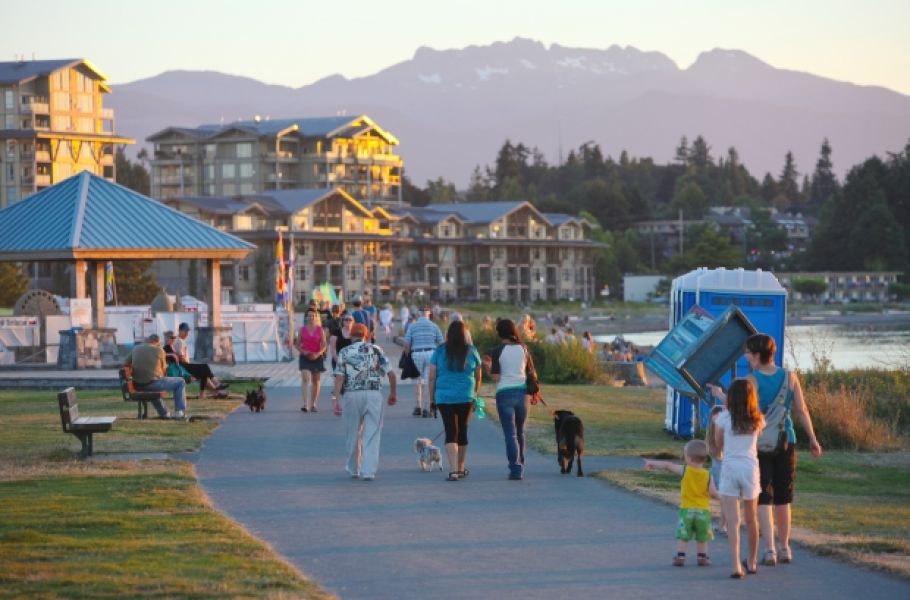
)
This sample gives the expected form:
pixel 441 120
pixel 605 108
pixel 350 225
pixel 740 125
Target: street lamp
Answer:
pixel 278 137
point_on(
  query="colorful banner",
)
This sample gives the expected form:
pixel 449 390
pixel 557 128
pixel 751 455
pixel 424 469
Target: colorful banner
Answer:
pixel 109 290
pixel 281 290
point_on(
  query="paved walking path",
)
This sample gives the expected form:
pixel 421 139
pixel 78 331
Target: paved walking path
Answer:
pixel 408 533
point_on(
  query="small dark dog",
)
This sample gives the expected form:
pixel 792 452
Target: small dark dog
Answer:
pixel 255 399
pixel 570 440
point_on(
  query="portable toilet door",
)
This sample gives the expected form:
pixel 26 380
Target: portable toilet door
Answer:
pixel 758 294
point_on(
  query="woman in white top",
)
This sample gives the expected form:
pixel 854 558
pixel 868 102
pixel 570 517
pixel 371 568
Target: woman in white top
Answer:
pixel 736 436
pixel 507 366
pixel 385 321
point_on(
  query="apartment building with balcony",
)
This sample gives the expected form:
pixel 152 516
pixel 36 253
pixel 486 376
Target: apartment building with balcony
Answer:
pixel 53 124
pixel 844 287
pixel 506 251
pixel 336 239
pixel 264 155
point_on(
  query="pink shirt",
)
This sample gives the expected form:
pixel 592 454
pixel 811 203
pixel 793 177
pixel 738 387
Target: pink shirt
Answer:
pixel 311 341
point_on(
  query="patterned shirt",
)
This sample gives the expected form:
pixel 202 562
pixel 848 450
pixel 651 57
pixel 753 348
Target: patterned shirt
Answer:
pixel 363 366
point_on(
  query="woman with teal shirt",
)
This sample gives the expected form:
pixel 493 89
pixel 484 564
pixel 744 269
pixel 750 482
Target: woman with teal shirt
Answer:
pixel 778 470
pixel 454 382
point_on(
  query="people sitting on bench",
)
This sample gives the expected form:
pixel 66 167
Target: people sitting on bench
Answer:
pixel 201 371
pixel 149 367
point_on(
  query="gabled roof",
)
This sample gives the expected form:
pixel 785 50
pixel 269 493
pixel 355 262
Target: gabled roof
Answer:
pixel 89 217
pixel 21 71
pixel 298 199
pixel 484 212
pixel 222 206
pixel 308 127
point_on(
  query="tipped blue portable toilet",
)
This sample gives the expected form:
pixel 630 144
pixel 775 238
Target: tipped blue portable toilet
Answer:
pixel 758 294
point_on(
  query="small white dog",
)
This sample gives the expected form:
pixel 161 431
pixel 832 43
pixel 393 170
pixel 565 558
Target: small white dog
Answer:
pixel 428 455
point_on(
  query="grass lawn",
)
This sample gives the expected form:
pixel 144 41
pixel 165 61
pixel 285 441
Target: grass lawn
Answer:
pixel 121 528
pixel 855 505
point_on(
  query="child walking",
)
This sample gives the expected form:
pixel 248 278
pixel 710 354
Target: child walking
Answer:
pixel 717 459
pixel 696 490
pixel 736 435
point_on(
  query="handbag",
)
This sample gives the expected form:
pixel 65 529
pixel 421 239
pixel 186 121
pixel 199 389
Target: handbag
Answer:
pixel 532 380
pixel 407 366
pixel 178 370
pixel 774 438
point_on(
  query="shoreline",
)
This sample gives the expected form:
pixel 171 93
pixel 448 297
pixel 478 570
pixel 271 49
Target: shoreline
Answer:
pixel 646 323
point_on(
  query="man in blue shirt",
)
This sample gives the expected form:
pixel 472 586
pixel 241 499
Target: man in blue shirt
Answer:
pixel 420 340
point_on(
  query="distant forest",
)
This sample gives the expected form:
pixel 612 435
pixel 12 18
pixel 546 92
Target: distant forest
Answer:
pixel 863 223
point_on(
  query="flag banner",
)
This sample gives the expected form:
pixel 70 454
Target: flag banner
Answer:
pixel 292 273
pixel 281 291
pixel 109 282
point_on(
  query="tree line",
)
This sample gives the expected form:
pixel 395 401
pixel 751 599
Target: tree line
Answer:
pixel 862 223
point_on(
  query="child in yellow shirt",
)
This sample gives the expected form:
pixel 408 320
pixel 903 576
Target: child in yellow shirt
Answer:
pixel 696 490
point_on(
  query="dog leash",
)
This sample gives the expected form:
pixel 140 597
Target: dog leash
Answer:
pixel 437 436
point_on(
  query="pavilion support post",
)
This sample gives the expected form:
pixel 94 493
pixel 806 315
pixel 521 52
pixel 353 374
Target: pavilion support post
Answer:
pixel 214 343
pixel 79 275
pixel 98 295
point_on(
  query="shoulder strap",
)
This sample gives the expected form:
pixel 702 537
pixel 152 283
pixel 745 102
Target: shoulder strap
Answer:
pixel 530 368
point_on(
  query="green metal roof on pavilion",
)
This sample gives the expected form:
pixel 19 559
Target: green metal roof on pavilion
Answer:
pixel 89 217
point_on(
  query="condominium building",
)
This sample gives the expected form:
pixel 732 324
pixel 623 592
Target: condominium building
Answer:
pixel 54 125
pixel 505 251
pixel 262 155
pixel 844 286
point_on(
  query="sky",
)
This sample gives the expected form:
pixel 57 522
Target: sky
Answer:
pixel 297 42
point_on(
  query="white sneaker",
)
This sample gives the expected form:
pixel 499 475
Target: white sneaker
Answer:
pixel 179 416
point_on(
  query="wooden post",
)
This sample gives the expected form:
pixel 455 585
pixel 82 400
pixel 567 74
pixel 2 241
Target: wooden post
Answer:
pixel 79 274
pixel 98 294
pixel 213 268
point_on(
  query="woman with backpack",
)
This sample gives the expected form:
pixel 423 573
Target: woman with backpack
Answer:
pixel 777 467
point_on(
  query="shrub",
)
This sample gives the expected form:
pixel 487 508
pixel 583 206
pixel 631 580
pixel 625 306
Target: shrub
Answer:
pixel 888 391
pixel 843 419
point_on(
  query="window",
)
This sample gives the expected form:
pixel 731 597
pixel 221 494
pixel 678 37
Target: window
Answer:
pixel 210 150
pixel 229 189
pixel 244 273
pixel 353 272
pixel 61 101
pixel 301 273
pixel 63 123
pixel 9 100
pixel 209 172
pixel 247 187
pixel 244 150
pixel 445 231
pixel 246 170
pixel 228 171
pixel 10 122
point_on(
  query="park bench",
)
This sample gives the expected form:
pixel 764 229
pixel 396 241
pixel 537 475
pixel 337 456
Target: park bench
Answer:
pixel 81 427
pixel 130 394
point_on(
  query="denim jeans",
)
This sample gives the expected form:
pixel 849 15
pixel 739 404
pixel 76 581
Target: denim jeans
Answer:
pixel 167 384
pixel 513 411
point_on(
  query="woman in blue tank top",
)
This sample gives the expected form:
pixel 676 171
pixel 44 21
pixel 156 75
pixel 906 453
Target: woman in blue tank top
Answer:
pixel 778 470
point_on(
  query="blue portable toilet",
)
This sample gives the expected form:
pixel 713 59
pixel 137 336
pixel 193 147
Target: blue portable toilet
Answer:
pixel 758 294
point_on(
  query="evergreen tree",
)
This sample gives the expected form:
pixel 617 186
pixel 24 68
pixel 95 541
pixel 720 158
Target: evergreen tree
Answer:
pixel 682 152
pixel 689 198
pixel 705 247
pixel 878 240
pixel 788 186
pixel 441 191
pixel 13 283
pixel 136 284
pixel 132 175
pixel 412 194
pixel 700 155
pixel 768 190
pixel 479 187
pixel 824 182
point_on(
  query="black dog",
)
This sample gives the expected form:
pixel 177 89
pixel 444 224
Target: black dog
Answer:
pixel 570 440
pixel 255 399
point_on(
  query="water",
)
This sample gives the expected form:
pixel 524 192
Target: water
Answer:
pixel 846 347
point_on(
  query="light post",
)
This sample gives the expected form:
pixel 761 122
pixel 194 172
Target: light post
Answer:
pixel 278 137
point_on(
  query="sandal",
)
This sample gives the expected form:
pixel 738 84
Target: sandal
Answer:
pixel 463 474
pixel 786 556
pixel 748 570
pixel 221 395
pixel 453 476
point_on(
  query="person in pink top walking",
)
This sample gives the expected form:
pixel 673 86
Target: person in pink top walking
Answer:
pixel 312 345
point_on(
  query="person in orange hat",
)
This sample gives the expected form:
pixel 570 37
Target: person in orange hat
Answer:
pixel 358 381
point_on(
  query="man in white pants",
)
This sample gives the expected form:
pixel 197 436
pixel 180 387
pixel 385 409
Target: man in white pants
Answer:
pixel 359 371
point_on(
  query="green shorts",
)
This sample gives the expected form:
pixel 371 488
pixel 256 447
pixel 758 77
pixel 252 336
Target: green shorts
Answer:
pixel 694 522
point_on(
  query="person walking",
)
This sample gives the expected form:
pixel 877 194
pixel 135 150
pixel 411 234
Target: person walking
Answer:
pixel 149 365
pixel 508 367
pixel 341 339
pixel 778 469
pixel 358 380
pixel 385 320
pixel 736 435
pixel 420 340
pixel 454 382
pixel 312 346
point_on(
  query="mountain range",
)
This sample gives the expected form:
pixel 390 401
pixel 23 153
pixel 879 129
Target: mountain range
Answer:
pixel 453 109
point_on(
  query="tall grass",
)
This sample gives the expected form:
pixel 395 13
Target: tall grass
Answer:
pixel 843 419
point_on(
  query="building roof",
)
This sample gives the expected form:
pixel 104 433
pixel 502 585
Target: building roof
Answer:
pixel 19 71
pixel 89 217
pixel 308 127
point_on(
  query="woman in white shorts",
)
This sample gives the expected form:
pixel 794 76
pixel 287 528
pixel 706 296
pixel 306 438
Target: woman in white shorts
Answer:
pixel 736 435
